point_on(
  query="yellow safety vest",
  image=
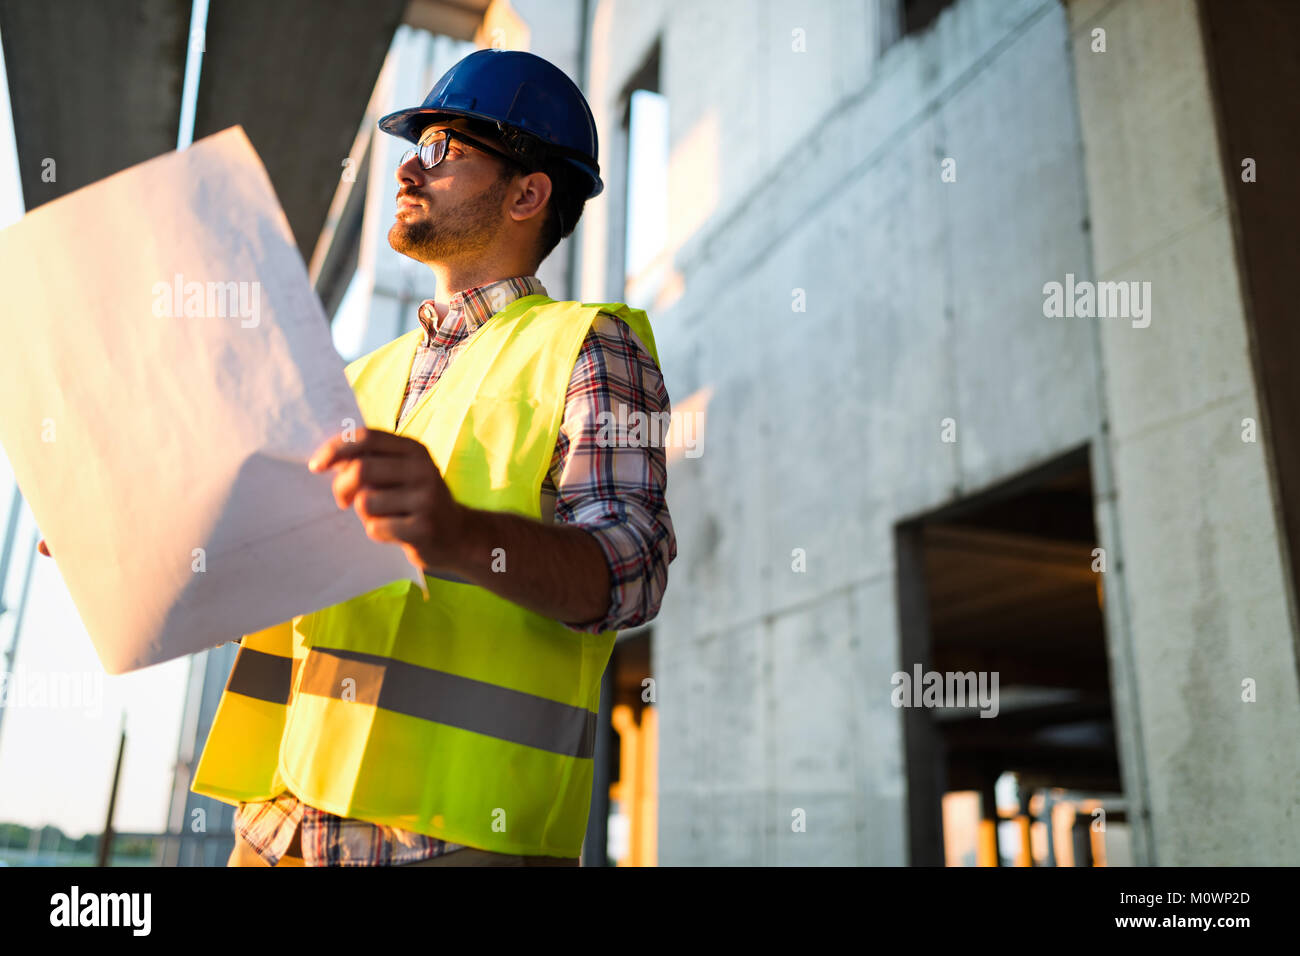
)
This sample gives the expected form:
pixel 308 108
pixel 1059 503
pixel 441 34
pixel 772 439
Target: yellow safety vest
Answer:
pixel 465 717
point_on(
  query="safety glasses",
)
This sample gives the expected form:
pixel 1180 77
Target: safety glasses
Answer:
pixel 433 148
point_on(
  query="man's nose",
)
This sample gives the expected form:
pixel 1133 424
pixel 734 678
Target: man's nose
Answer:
pixel 411 173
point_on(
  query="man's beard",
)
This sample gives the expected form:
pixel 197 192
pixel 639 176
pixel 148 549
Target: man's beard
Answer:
pixel 467 228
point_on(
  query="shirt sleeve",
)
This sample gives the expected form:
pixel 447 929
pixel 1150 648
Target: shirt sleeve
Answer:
pixel 610 475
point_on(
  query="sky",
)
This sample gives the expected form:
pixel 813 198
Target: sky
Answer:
pixel 56 762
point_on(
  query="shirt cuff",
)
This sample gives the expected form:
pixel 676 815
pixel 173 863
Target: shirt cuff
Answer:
pixel 623 550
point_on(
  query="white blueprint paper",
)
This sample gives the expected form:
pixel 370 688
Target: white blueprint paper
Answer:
pixel 165 372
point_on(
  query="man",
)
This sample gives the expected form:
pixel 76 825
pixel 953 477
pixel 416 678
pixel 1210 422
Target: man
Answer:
pixel 459 730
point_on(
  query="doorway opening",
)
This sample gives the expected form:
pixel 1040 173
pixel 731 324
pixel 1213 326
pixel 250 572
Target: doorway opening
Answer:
pixel 1003 593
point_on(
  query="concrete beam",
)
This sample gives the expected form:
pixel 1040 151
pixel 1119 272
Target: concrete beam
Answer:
pixel 297 75
pixel 337 252
pixel 458 19
pixel 94 87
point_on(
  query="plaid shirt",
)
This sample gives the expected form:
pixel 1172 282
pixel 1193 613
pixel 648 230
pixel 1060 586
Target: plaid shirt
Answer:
pixel 614 491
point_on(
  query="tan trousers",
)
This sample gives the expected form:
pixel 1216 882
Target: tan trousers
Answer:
pixel 244 855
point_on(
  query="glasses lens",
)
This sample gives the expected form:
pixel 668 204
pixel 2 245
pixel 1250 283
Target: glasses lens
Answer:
pixel 431 150
pixel 431 153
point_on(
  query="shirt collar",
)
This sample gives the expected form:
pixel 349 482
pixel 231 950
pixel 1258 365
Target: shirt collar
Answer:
pixel 475 306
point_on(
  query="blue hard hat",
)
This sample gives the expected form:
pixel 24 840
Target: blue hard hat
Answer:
pixel 517 93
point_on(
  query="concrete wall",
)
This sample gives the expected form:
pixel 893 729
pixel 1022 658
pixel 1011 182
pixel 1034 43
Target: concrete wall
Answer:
pixel 820 171
pixel 1218 777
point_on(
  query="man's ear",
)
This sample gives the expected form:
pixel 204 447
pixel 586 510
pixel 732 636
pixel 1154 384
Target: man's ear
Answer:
pixel 536 191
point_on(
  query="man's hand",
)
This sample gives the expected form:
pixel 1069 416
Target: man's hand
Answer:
pixel 558 571
pixel 398 494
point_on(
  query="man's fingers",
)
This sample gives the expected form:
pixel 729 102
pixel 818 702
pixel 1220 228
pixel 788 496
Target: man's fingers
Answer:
pixel 40 546
pixel 396 529
pixel 365 442
pixel 390 502
pixel 369 472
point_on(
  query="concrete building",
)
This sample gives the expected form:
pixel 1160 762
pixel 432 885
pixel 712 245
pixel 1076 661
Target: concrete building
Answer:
pixel 866 201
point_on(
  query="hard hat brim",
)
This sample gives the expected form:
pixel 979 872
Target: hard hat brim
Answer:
pixel 410 123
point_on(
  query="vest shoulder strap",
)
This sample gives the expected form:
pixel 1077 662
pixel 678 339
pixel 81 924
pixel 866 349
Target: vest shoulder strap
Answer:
pixel 636 319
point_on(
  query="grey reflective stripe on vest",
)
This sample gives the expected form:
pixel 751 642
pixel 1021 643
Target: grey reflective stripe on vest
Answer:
pixel 450 699
pixel 265 676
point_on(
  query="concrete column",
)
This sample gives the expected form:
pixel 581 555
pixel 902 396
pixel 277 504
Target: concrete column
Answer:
pixel 1202 620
